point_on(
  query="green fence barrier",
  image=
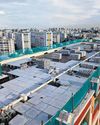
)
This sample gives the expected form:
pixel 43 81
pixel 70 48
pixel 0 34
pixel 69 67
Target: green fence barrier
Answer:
pixel 0 70
pixel 95 86
pixel 79 96
pixel 84 123
pixel 76 99
pixel 19 53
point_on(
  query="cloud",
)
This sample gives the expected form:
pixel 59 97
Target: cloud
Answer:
pixel 49 12
pixel 19 4
pixel 2 12
pixel 9 1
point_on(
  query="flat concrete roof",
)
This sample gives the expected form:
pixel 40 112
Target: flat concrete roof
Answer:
pixel 19 62
pixel 47 100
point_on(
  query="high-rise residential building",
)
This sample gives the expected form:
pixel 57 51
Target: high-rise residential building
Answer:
pixel 23 40
pixel 6 45
pixel 62 36
pixel 11 35
pixel 42 38
pixel 59 34
pixel 1 33
pixel 56 37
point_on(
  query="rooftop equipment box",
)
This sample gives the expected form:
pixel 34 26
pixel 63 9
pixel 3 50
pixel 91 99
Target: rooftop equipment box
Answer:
pixel 45 64
pixel 75 56
pixel 56 56
pixel 82 53
pixel 74 50
pixel 77 48
pixel 97 59
pixel 87 47
pixel 93 46
pixel 65 52
pixel 87 66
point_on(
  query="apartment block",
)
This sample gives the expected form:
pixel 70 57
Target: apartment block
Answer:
pixel 7 45
pixel 23 40
pixel 42 38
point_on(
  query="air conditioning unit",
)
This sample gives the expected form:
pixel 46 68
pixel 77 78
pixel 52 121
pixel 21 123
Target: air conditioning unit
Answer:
pixel 88 66
pixel 65 118
pixel 82 53
pixel 43 63
pixel 65 52
pixel 96 59
pixel 87 48
pixel 56 56
pixel 77 48
pixel 75 56
pixel 96 85
pixel 95 80
pixel 85 73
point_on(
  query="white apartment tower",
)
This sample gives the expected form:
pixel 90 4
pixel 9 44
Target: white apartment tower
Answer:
pixel 23 40
pixel 6 45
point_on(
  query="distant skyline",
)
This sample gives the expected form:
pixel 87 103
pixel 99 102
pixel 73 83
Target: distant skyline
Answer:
pixel 49 13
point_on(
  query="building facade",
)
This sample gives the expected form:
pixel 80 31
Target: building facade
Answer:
pixel 23 40
pixel 42 38
pixel 7 45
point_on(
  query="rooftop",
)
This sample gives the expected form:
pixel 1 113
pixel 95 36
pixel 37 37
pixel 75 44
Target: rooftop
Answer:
pixel 47 82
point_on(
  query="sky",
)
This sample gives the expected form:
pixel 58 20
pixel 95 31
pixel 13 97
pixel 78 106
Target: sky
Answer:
pixel 49 13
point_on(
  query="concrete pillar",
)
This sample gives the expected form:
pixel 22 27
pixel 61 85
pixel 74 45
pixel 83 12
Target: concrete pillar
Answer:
pixel 90 116
pixel 98 122
pixel 42 123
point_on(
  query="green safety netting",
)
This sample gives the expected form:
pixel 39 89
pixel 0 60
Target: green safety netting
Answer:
pixel 79 96
pixel 95 87
pixel 28 51
pixel 19 53
pixel 0 70
pixel 85 123
pixel 14 55
pixel 76 99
